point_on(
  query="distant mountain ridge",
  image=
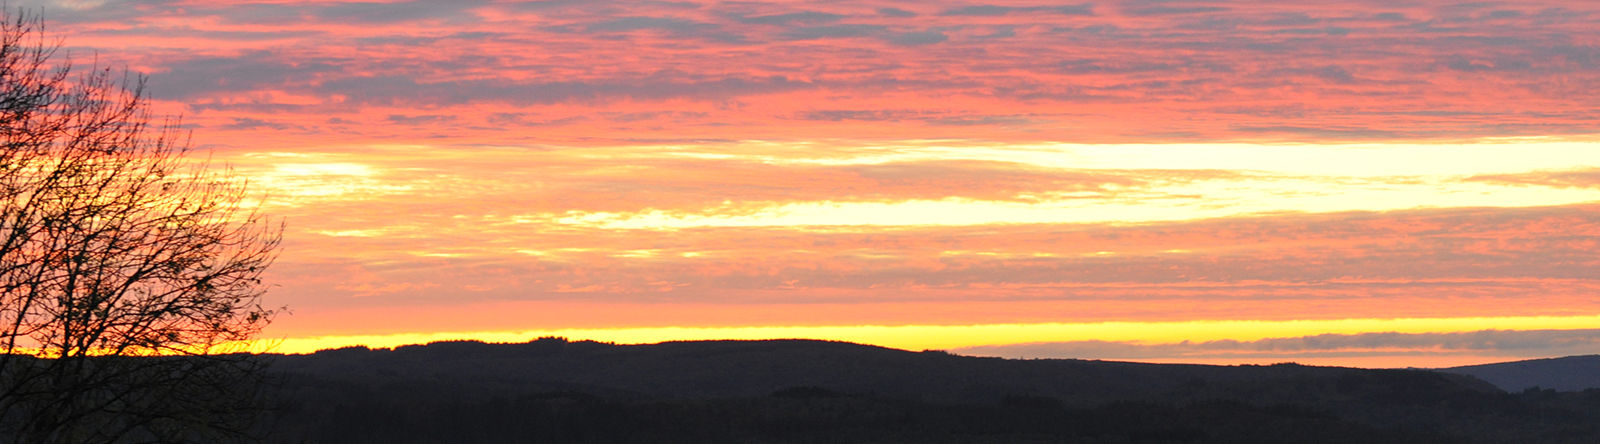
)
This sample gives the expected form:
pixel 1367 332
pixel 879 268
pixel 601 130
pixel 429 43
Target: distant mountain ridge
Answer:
pixel 1571 373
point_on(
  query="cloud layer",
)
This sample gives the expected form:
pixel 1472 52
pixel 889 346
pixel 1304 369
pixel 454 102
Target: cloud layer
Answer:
pixel 605 72
pixel 652 226
pixel 513 165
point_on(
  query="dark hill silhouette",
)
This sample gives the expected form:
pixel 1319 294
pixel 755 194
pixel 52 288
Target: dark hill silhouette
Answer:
pixel 754 368
pixel 554 390
pixel 1570 373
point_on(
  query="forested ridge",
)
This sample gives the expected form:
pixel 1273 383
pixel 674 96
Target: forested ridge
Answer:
pixel 553 390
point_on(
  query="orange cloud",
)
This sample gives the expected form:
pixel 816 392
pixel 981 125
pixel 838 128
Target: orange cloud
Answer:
pixel 1424 263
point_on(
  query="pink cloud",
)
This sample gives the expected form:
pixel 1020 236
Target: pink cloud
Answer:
pixel 623 72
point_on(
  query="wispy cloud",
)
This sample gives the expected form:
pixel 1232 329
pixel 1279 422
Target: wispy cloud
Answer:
pixel 1574 178
pixel 1487 343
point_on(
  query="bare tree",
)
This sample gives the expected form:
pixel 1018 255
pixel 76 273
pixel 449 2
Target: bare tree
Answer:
pixel 129 274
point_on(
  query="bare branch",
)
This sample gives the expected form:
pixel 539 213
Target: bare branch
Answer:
pixel 124 265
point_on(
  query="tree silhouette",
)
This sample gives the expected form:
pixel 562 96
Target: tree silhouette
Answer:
pixel 129 274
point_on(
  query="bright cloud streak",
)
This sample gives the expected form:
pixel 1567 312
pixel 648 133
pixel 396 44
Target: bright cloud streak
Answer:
pixel 1341 160
pixel 1200 201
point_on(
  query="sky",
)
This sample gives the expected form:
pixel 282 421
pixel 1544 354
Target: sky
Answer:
pixel 1368 183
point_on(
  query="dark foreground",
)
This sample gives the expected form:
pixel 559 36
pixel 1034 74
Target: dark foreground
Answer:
pixel 811 391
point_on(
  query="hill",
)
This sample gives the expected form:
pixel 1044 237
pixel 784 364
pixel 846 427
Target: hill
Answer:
pixel 1570 373
pixel 553 390
pixel 757 368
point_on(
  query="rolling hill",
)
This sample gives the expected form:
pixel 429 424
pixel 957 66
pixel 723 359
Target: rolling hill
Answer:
pixel 1570 373
pixel 554 390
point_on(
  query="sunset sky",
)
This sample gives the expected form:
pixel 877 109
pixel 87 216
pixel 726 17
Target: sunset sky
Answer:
pixel 1373 183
